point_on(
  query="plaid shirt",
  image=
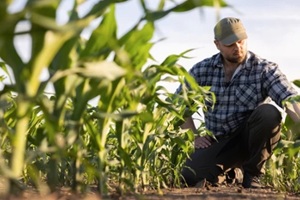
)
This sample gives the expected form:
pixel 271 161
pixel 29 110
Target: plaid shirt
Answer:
pixel 256 80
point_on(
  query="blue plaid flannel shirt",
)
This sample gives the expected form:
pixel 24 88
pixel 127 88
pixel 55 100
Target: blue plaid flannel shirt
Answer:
pixel 256 80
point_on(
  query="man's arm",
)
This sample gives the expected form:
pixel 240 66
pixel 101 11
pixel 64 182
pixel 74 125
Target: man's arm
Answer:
pixel 293 110
pixel 200 142
pixel 189 124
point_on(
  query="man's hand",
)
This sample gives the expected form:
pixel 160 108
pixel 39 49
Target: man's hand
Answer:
pixel 293 110
pixel 203 142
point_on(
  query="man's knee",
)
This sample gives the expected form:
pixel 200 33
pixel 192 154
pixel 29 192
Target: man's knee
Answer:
pixel 268 110
pixel 268 114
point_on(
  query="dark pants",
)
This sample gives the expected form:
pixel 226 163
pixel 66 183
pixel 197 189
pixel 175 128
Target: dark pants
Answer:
pixel 248 148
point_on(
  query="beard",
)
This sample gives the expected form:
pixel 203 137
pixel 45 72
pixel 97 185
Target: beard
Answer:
pixel 237 58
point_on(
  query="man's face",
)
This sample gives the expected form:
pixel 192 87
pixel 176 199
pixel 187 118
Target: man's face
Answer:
pixel 234 53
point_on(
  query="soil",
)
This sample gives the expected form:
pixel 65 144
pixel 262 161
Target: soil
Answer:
pixel 211 193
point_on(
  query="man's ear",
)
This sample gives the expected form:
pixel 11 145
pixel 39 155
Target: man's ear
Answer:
pixel 217 44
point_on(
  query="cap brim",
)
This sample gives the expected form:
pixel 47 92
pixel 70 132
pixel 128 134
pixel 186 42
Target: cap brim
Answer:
pixel 234 38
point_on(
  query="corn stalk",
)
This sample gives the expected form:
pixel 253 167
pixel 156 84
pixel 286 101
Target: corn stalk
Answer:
pixel 126 137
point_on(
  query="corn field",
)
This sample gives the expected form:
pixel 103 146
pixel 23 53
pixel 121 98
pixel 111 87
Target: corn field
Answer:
pixel 129 139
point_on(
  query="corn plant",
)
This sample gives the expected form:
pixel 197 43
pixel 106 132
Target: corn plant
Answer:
pixel 130 138
pixel 283 169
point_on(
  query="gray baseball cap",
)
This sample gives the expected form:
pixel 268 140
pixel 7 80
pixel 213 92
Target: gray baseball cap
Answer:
pixel 230 30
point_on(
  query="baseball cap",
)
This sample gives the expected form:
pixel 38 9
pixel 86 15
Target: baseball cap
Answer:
pixel 230 30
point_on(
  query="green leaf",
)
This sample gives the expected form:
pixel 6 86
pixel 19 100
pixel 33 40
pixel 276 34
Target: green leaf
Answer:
pixel 156 15
pixel 183 7
pixel 103 38
pixel 96 70
pixel 99 8
pixel 101 70
pixel 137 44
pixel 8 52
pixel 297 82
pixel 172 59
pixel 191 4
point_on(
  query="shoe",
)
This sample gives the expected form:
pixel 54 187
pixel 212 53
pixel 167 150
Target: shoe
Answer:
pixel 250 181
pixel 234 176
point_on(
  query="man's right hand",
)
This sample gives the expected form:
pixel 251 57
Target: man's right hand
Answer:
pixel 203 142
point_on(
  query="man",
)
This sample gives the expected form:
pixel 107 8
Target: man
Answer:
pixel 245 127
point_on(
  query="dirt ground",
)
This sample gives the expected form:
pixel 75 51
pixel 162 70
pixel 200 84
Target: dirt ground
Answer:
pixel 211 193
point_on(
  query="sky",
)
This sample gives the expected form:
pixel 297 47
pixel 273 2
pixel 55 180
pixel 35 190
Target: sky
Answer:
pixel 273 28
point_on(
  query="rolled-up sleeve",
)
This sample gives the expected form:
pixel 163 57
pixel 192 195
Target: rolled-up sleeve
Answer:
pixel 277 85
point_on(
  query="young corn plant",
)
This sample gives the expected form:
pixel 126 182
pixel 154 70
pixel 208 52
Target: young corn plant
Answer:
pixel 129 138
pixel 283 169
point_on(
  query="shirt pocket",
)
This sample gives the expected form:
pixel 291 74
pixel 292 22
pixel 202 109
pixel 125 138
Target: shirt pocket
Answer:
pixel 246 97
